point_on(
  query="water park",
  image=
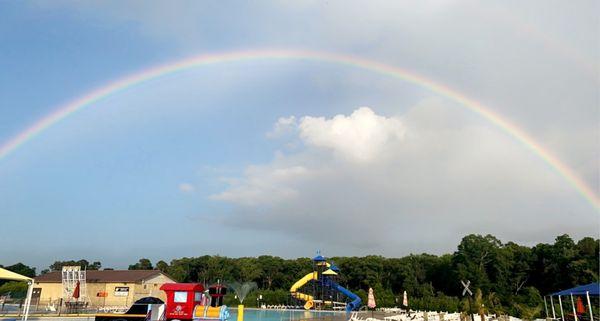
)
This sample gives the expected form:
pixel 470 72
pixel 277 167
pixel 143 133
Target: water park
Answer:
pixel 324 290
pixel 188 160
pixel 316 295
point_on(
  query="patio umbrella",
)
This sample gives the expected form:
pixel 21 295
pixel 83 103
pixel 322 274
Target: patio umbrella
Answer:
pixel 405 299
pixel 77 291
pixel 371 299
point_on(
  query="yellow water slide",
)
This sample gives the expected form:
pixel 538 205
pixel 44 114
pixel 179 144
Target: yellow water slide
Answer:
pixel 302 296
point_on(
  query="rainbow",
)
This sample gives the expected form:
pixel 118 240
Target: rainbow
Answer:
pixel 124 83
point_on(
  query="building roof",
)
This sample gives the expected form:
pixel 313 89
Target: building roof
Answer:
pixel 104 276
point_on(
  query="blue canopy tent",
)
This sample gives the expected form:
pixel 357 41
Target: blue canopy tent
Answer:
pixel 588 290
pixel 593 289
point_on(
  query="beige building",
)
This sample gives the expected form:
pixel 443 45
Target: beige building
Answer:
pixel 110 288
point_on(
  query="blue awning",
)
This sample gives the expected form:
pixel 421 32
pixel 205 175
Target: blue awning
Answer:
pixel 592 288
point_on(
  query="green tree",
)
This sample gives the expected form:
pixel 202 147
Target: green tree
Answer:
pixel 84 264
pixel 248 269
pixel 271 268
pixel 519 269
pixel 476 260
pixel 15 289
pixel 142 264
pixel 162 266
pixel 510 276
pixel 22 269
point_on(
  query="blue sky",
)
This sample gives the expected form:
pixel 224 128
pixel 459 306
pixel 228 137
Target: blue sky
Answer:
pixel 257 151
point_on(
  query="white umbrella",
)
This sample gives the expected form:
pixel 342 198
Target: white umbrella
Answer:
pixel 405 299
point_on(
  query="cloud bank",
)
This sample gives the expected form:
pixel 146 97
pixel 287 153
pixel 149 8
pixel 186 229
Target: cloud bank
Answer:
pixel 370 182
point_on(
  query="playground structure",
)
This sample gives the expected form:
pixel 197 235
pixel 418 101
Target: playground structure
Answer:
pixel 324 290
pixel 185 301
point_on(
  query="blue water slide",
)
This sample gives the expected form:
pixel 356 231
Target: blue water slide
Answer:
pixel 352 305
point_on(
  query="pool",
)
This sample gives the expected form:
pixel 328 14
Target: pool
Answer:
pixel 283 315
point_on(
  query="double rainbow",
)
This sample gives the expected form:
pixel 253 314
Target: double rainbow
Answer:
pixel 202 60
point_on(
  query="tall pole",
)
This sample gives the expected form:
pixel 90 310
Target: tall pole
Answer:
pixel 573 305
pixel 562 316
pixel 27 301
pixel 587 294
pixel 546 307
pixel 470 310
pixel 552 304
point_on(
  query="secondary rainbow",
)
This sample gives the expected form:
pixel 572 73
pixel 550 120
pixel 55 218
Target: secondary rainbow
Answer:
pixel 201 60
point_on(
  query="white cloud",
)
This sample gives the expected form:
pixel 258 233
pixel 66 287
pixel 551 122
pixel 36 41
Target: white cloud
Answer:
pixel 263 186
pixel 186 187
pixel 432 177
pixel 360 136
pixel 283 126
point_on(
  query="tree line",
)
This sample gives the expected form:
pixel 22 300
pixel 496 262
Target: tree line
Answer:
pixel 506 277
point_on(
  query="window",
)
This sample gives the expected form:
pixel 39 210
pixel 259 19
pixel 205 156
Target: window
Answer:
pixel 180 297
pixel 197 296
